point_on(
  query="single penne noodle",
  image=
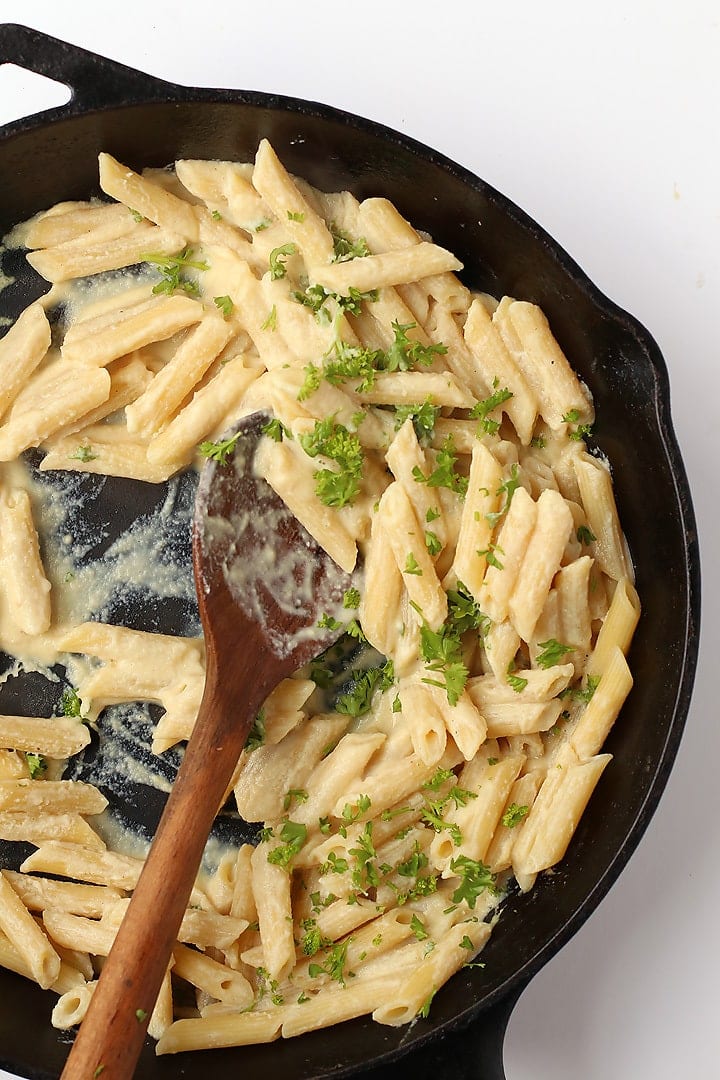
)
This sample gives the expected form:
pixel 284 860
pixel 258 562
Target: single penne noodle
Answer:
pixel 97 342
pixel 476 528
pixel 88 255
pixel 27 589
pixel 55 396
pixel 148 199
pixel 104 221
pixel 380 601
pixel 545 365
pixel 38 828
pixel 596 492
pixel 219 886
pixel 203 416
pixel 390 268
pixel 129 377
pixel 425 721
pixel 409 387
pixel 96 867
pixel 496 362
pixel 602 710
pixel 478 818
pixel 290 473
pixel 13 960
pixel 571 585
pixel 515 718
pixel 71 1007
pixel 444 960
pixel 271 771
pixel 618 627
pixel 51 796
pixel 212 1032
pixel 56 737
pixel 403 455
pixel 18 925
pixel 215 979
pixel 541 561
pixel 271 890
pixel 522 795
pixel 39 893
pixel 502 642
pixel 162 1015
pixel 407 541
pixel 464 722
pixel 541 685
pixel 22 349
pixel 511 548
pixel 555 814
pixel 243 901
pixel 334 1006
pixel 75 932
pixel 167 391
pixel 201 927
pixel 336 773
pixel 444 330
pixel 278 190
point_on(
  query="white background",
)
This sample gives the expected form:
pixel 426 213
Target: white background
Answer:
pixel 603 122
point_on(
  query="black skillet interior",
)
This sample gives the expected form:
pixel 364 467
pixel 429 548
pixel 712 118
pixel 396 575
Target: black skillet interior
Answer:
pixel 145 122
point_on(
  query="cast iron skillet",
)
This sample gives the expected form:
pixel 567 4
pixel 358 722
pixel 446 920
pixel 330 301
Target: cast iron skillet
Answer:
pixel 144 121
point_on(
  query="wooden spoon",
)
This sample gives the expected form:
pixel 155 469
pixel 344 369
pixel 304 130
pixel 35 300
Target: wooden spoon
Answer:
pixel 262 584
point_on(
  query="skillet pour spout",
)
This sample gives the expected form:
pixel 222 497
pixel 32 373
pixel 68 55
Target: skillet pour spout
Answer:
pixel 146 122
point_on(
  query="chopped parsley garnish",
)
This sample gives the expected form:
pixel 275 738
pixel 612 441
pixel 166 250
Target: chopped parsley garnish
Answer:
pixel 466 943
pixel 551 652
pixel 351 598
pixel 464 611
pixel 423 417
pixel 171 267
pixel 316 296
pixel 365 875
pixel 475 878
pixel 444 475
pixel 295 215
pixel 294 795
pixel 432 542
pixel 36 764
pixel 70 702
pixel 224 304
pixel 345 248
pixel 442 653
pixel 343 361
pixel 514 815
pixel 256 735
pixel 490 557
pixel 136 214
pixel 508 488
pixel 313 940
pixel 352 811
pixel 328 622
pixel 293 835
pixel 585 694
pixel 404 352
pixel 397 704
pixel 424 1010
pixel 277 262
pixel 516 682
pixel 334 963
pixel 585 535
pixel 483 408
pixel 538 442
pixel 582 430
pixel 411 565
pixel 140 1015
pixel 270 322
pixel 418 928
pixel 275 429
pixel 357 700
pixel 335 488
pixel 432 515
pixel 313 377
pixel 220 450
pixel 84 453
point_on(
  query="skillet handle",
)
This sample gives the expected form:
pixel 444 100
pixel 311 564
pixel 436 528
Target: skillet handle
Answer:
pixel 93 80
pixel 471 1053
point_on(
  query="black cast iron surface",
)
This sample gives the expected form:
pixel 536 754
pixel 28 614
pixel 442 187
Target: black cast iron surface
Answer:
pixel 144 121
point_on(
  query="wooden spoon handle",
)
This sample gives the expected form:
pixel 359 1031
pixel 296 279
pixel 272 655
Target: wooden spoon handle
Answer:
pixel 113 1032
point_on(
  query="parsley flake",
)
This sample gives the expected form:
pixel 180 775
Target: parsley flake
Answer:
pixel 277 262
pixel 551 653
pixel 514 815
